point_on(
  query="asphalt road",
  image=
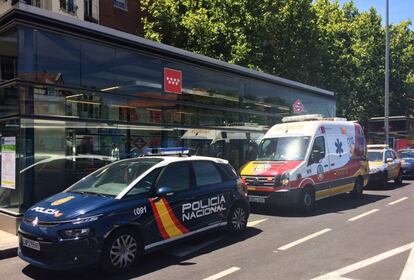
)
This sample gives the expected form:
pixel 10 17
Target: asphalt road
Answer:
pixel 369 238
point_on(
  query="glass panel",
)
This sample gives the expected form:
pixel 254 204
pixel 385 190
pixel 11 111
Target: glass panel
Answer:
pixel 8 55
pixel 176 176
pixel 206 173
pixel 9 101
pixel 57 59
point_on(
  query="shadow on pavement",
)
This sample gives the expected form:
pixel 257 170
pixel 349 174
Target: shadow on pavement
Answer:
pixel 389 187
pixel 151 262
pixel 335 204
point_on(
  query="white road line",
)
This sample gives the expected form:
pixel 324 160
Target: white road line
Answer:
pixel 297 242
pixel 397 201
pixel 222 274
pixel 408 272
pixel 253 223
pixel 364 263
pixel 363 215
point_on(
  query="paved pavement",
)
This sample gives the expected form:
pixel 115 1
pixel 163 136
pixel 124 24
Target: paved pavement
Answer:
pixel 8 244
pixel 370 238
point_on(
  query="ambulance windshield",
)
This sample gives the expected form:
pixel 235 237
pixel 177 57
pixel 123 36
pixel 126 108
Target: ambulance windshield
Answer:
pixel 284 148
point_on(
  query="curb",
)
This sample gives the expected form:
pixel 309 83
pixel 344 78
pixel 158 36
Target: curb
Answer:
pixel 8 253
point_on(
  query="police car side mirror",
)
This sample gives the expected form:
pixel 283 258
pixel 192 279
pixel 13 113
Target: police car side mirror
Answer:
pixel 388 160
pixel 165 191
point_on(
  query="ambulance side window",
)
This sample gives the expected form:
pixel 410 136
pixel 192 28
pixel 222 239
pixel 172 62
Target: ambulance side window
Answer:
pixel 318 150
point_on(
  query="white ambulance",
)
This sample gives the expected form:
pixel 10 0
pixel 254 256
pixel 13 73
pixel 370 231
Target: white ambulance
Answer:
pixel 307 158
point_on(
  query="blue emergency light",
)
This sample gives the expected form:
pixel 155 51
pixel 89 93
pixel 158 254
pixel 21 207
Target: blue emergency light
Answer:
pixel 166 151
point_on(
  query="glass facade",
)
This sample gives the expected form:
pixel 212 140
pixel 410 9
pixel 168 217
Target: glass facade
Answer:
pixel 77 104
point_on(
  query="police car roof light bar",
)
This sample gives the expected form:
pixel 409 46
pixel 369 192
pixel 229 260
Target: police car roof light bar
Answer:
pixel 312 117
pixel 166 151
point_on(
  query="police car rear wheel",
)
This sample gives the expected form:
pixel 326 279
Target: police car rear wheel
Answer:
pixel 121 251
pixel 237 219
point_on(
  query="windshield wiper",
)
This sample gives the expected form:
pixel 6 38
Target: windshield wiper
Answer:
pixel 91 193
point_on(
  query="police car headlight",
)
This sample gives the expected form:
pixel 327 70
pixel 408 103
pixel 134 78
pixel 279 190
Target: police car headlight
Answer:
pixel 85 220
pixel 285 179
pixel 75 233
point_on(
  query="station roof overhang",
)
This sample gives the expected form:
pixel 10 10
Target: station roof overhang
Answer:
pixel 36 17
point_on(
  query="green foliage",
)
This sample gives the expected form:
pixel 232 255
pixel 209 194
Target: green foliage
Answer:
pixel 316 42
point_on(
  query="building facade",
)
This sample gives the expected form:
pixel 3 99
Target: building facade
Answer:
pixel 76 95
pixel 123 15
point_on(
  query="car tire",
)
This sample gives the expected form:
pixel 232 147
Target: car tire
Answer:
pixel 358 190
pixel 399 180
pixel 237 218
pixel 307 200
pixel 121 251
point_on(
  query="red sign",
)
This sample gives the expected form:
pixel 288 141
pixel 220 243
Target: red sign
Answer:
pixel 298 106
pixel 172 81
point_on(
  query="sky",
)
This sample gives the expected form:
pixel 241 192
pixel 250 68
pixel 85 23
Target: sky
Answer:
pixel 399 9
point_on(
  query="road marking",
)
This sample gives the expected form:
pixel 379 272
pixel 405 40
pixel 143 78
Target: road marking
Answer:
pixel 408 272
pixel 398 201
pixel 337 274
pixel 363 215
pixel 306 238
pixel 222 274
pixel 185 250
pixel 253 223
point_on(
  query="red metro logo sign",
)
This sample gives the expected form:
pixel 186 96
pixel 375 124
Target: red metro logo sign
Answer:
pixel 172 81
pixel 298 106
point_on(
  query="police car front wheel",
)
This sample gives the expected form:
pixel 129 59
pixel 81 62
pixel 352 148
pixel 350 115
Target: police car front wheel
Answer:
pixel 237 219
pixel 121 251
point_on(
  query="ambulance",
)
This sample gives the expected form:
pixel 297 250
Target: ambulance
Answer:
pixel 307 158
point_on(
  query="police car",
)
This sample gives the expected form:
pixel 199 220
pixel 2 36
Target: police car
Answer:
pixel 131 207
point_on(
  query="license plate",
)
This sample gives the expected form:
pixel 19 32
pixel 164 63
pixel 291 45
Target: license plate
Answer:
pixel 257 199
pixel 30 244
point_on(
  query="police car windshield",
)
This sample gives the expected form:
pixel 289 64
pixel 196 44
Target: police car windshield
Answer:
pixel 284 148
pixel 113 179
pixel 406 154
pixel 375 156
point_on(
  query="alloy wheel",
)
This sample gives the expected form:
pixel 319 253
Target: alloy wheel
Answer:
pixel 239 219
pixel 123 251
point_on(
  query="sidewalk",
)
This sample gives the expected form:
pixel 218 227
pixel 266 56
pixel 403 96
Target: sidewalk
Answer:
pixel 8 244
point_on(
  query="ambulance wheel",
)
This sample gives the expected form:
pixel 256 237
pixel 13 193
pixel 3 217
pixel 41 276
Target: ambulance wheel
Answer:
pixel 121 251
pixel 307 200
pixel 384 180
pixel 358 190
pixel 398 181
pixel 237 219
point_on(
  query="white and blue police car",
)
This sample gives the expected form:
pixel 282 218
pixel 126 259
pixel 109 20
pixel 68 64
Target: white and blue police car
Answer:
pixel 130 207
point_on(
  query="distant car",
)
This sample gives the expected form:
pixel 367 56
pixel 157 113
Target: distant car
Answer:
pixel 407 158
pixel 130 207
pixel 384 165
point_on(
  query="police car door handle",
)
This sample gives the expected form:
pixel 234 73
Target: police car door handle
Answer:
pixel 325 165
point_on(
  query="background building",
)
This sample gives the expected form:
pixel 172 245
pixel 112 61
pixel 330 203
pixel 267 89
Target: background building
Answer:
pixel 118 14
pixel 70 89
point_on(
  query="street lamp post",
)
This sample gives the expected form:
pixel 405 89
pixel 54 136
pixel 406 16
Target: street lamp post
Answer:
pixel 387 73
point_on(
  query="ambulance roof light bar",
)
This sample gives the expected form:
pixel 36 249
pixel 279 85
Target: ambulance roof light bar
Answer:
pixel 312 117
pixel 166 151
pixel 378 146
